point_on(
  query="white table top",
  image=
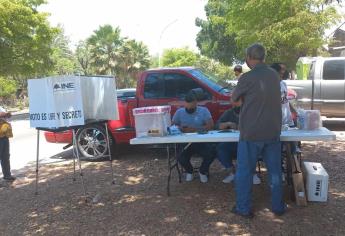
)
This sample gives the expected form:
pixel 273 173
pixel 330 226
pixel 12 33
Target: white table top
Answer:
pixel 321 134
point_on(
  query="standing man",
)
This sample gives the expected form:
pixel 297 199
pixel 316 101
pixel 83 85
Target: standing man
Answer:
pixel 5 133
pixel 260 126
pixel 193 118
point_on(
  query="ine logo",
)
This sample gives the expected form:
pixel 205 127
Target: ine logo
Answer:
pixel 63 86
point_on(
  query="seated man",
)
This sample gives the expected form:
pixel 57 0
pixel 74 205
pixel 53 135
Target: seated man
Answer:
pixel 227 151
pixel 193 118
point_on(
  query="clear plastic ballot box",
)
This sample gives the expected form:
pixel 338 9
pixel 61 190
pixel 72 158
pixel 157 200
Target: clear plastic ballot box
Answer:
pixel 152 121
pixel 64 101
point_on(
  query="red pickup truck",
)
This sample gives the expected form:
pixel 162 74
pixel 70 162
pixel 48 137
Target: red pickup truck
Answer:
pixel 155 87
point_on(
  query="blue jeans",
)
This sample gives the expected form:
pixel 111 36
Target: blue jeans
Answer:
pixel 226 152
pixel 202 149
pixel 248 152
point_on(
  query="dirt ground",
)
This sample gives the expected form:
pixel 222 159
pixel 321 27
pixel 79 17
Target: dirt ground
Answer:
pixel 137 203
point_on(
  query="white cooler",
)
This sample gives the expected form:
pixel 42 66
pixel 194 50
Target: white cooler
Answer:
pixel 316 181
pixel 152 121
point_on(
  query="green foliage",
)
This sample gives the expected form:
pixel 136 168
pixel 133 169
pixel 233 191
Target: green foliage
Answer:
pixel 104 45
pixel 295 29
pixel 25 39
pixel 62 57
pixel 213 40
pixel 178 57
pixel 154 61
pixel 106 52
pixel 7 87
pixel 184 57
pixel 288 29
pixel 83 56
pixel 133 57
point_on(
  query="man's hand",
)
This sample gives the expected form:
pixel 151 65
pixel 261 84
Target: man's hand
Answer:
pixel 227 125
pixel 186 129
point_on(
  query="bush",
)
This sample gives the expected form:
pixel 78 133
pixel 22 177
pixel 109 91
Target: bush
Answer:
pixel 7 87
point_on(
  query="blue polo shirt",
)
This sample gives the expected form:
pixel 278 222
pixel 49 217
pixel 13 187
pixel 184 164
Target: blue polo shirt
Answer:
pixel 196 120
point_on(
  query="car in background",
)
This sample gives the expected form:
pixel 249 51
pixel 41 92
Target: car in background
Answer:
pixel 324 88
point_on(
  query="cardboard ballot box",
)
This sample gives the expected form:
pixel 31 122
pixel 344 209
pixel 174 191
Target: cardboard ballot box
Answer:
pixel 64 101
pixel 316 181
pixel 152 121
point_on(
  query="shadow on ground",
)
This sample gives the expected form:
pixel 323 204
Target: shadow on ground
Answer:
pixel 137 203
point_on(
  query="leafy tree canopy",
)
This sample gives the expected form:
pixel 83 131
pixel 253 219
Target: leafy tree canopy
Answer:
pixel 179 57
pixel 107 52
pixel 62 57
pixel 185 57
pixel 83 56
pixel 7 87
pixel 25 39
pixel 289 29
pixel 213 40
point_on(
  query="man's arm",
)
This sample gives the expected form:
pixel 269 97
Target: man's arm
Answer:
pixel 209 125
pixel 240 89
pixel 227 125
pixel 227 120
pixel 176 118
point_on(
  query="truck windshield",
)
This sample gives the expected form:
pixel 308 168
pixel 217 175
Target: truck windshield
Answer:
pixel 209 80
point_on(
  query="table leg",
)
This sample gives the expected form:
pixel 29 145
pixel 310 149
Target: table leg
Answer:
pixel 109 152
pixel 177 165
pixel 288 163
pixel 37 160
pixel 79 164
pixel 74 155
pixel 74 179
pixel 169 168
pixel 172 163
pixel 289 160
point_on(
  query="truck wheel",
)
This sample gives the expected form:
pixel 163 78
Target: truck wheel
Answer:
pixel 92 142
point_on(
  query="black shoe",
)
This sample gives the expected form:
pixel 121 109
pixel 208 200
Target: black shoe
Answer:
pixel 250 215
pixel 10 178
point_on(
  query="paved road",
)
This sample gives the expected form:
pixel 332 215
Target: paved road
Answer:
pixel 23 147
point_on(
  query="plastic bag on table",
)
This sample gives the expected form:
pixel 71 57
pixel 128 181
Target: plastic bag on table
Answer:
pixel 308 119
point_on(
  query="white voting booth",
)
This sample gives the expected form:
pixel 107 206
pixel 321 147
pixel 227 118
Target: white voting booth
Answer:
pixel 70 102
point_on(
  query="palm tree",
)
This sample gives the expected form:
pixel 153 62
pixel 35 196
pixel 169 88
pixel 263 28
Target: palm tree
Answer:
pixel 83 56
pixel 104 47
pixel 133 58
